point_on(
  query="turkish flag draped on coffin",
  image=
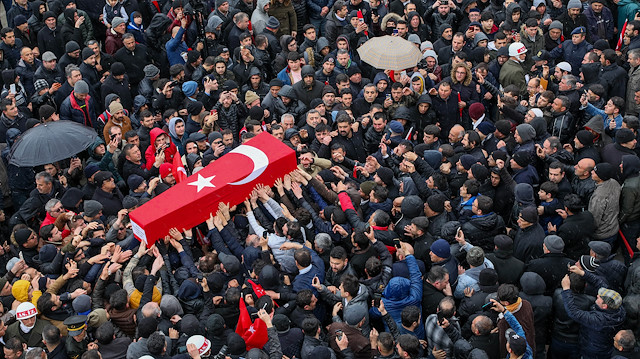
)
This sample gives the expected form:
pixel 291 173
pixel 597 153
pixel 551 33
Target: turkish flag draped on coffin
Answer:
pixel 230 179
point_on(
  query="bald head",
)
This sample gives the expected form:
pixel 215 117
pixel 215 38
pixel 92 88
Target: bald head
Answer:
pixel 584 167
pixel 456 134
pixel 481 325
pixel 26 54
pixel 152 310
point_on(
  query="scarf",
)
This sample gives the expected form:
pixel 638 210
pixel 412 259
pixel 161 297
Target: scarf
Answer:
pixel 26 329
pixel 515 306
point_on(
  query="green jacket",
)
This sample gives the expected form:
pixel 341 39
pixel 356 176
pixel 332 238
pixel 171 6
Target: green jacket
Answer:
pixel 33 338
pixel 533 47
pixel 512 73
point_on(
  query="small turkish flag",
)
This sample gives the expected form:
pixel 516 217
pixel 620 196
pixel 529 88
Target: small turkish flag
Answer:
pixel 179 173
pixel 254 333
pixel 257 288
pixel 230 179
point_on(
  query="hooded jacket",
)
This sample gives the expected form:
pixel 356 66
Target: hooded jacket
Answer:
pixel 150 153
pixel 402 292
pixel 259 17
pixel 533 288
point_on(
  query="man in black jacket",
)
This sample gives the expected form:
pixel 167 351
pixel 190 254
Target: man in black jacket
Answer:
pixel 107 193
pixel 508 267
pixel 613 77
pixel 118 83
pixel 552 266
pixel 484 225
pixel 350 136
pixel 134 57
pixel 445 104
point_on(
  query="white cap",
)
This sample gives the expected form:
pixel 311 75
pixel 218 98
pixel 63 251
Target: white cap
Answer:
pixel 517 49
pixel 26 310
pixel 564 66
pixel 537 112
pixel 203 344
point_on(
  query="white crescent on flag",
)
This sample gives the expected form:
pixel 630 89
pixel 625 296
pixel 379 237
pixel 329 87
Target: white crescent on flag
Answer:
pixel 259 159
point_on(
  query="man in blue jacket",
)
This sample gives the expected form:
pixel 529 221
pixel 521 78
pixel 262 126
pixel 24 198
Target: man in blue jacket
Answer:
pixel 176 46
pixel 599 325
pixel 573 51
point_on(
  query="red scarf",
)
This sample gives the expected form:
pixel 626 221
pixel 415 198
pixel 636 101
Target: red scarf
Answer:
pixel 82 108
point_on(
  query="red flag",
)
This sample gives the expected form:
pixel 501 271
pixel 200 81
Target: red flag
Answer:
pixel 179 173
pixel 230 179
pixel 621 38
pixel 626 243
pixel 361 19
pixel 254 334
pixel 257 288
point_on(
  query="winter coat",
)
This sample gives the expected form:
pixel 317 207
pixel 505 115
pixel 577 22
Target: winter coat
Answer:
pixel 614 80
pixel 402 292
pixel 287 17
pixel 119 87
pixel 51 40
pixel 564 328
pixel 633 85
pixel 630 193
pixel 551 267
pixel 113 42
pixel 527 244
pixel 72 111
pixel 533 288
pixel 604 206
pixel 562 125
pixel 599 23
pixel 613 271
pixel 573 54
pixel 333 28
pixel 508 267
pixel 613 153
pixel 524 315
pixel 134 62
pixel 597 327
pixel 512 73
pixel 469 279
pixel 631 301
pixel 576 231
pixel 150 153
pixel 480 230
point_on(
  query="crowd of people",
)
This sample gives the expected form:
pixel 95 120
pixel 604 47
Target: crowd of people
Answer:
pixel 484 203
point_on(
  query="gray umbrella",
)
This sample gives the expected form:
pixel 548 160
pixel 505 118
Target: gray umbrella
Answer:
pixel 51 142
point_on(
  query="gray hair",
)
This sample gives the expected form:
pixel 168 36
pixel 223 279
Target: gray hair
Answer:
pixel 323 241
pixel 287 115
pixel 571 81
pixel 50 204
pixel 34 353
pixel 68 71
pixel 44 176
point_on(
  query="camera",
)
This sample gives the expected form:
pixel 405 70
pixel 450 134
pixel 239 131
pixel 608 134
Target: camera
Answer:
pixel 222 353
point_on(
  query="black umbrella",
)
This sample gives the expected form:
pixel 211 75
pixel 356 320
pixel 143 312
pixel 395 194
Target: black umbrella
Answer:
pixel 51 142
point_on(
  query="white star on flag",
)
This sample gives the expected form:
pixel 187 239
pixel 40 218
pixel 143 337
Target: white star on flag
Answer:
pixel 251 330
pixel 203 182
